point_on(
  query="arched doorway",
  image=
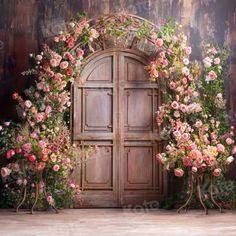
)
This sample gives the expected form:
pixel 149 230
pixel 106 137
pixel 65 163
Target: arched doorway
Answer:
pixel 114 108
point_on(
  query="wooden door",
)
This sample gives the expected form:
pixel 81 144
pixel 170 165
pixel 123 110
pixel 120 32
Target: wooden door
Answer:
pixel 114 108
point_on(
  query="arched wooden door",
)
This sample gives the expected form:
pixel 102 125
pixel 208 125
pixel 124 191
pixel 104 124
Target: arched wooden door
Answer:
pixel 114 108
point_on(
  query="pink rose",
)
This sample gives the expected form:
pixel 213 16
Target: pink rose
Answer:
pixel 217 61
pixel 198 124
pixel 5 172
pixel 229 160
pixel 217 172
pixel 42 144
pixel 39 117
pixel 54 62
pixel 229 141
pixel 187 161
pixel 178 172
pixel 19 181
pixel 186 136
pixel 32 158
pixel 56 168
pixel 220 147
pixel 80 53
pixel 195 154
pixel 234 151
pixel 162 54
pixel 10 153
pixel 159 42
pixel 194 169
pixel 48 109
pixel 64 65
pixel 172 85
pixel 28 103
pixel 18 150
pixel 175 105
pixel 212 75
pixel 160 158
pixel 27 147
pixel 188 50
pixel 183 108
pixel 192 146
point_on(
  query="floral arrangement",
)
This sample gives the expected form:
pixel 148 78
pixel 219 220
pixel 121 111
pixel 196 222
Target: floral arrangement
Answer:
pixel 200 140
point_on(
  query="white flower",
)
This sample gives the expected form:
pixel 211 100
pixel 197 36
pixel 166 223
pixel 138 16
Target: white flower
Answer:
pixel 185 70
pixel 207 62
pixel 186 61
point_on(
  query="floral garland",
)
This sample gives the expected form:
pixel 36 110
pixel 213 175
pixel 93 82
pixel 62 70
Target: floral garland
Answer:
pixel 191 114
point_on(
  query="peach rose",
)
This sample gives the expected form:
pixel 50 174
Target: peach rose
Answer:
pixel 179 172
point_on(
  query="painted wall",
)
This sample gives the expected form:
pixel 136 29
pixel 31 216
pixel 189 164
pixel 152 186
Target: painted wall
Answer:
pixel 26 24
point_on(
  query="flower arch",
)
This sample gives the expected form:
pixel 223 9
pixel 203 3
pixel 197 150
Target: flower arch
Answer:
pixel 41 152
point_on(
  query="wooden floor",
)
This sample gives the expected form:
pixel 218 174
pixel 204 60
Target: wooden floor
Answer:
pixel 117 222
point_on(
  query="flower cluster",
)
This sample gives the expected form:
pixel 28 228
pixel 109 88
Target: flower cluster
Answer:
pixel 193 113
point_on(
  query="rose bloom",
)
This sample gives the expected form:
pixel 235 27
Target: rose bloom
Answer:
pixel 229 141
pixel 5 172
pixel 198 124
pixel 217 172
pixel 183 108
pixel 162 54
pixel 175 105
pixel 217 61
pixel 192 146
pixel 18 150
pixel 229 160
pixel 19 181
pixel 80 53
pixel 194 169
pixel 45 158
pixel 212 75
pixel 42 144
pixel 185 71
pixel 176 114
pixel 53 62
pixel 188 50
pixel 187 161
pixel 195 154
pixel 48 109
pixel 64 64
pixel 10 154
pixel 32 158
pixel 41 166
pixel 160 158
pixel 234 150
pixel 56 168
pixel 178 172
pixel 53 157
pixel 27 147
pixel 220 147
pixel 28 103
pixel 172 85
pixel 19 138
pixel 186 61
pixel 159 42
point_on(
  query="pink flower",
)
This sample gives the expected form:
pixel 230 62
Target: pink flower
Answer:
pixel 187 161
pixel 28 103
pixel 56 168
pixel 19 181
pixel 229 160
pixel 160 158
pixel 18 150
pixel 194 169
pixel 162 54
pixel 186 136
pixel 54 62
pixel 211 76
pixel 50 200
pixel 217 61
pixel 178 172
pixel 172 85
pixel 27 147
pixel 42 144
pixel 48 109
pixel 198 124
pixel 80 53
pixel 234 151
pixel 175 105
pixel 41 166
pixel 94 33
pixel 183 108
pixel 220 147
pixel 64 65
pixel 10 153
pixel 32 158
pixel 229 141
pixel 195 154
pixel 39 117
pixel 188 50
pixel 5 172
pixel 192 146
pixel 217 172
pixel 159 42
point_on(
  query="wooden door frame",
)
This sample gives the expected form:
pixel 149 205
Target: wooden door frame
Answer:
pixel 96 56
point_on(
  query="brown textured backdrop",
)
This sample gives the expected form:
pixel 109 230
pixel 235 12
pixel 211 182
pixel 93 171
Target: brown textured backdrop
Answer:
pixel 26 24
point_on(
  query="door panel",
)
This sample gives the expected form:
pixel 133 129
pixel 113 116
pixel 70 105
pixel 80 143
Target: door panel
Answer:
pixel 114 108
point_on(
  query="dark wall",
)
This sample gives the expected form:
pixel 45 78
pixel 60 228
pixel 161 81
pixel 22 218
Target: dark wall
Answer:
pixel 26 24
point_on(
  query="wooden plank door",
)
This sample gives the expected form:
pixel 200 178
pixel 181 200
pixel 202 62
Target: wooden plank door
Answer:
pixel 114 108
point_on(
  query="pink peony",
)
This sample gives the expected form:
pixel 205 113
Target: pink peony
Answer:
pixel 27 147
pixel 10 154
pixel 64 65
pixel 188 50
pixel 5 172
pixel 159 42
pixel 28 103
pixel 220 147
pixel 229 141
pixel 32 158
pixel 56 168
pixel 217 172
pixel 178 172
pixel 175 105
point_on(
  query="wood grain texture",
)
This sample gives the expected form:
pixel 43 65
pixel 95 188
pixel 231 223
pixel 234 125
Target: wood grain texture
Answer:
pixel 26 24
